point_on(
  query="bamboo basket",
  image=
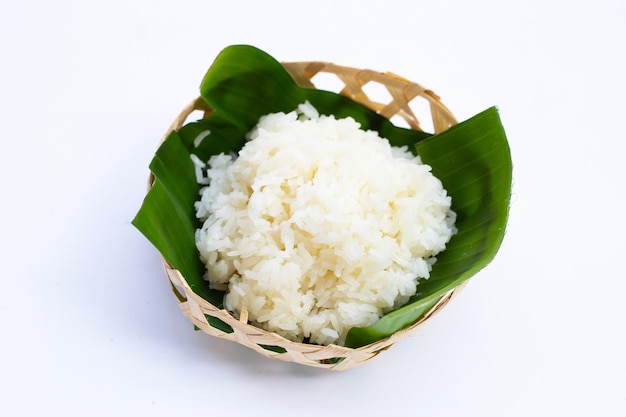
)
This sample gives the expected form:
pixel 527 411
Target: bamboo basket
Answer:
pixel 219 322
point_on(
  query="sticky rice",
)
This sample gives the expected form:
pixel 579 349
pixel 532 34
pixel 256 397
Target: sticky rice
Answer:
pixel 318 226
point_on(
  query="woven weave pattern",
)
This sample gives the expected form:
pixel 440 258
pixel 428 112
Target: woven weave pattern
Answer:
pixel 401 91
pixel 221 323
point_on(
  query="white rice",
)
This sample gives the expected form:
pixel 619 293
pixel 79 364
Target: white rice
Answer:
pixel 199 170
pixel 198 139
pixel 318 226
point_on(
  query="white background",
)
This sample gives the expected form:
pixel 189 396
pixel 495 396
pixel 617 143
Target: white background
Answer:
pixel 89 326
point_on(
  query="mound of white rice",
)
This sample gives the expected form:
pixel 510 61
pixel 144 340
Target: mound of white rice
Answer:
pixel 318 226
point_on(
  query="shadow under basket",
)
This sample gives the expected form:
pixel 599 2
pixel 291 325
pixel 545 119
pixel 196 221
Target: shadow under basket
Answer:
pixel 391 96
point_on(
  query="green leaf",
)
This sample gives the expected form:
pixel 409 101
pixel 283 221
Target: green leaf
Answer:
pixel 167 216
pixel 390 323
pixel 219 324
pixel 272 348
pixel 245 83
pixel 472 159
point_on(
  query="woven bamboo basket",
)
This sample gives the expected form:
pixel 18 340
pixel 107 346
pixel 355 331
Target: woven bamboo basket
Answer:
pixel 222 324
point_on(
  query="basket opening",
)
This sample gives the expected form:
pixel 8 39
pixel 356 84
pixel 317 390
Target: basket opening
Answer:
pixel 218 324
pixel 277 349
pixel 331 361
pixel 399 121
pixel 377 92
pixel 382 349
pixel 196 115
pixel 178 292
pixel 327 81
pixel 421 109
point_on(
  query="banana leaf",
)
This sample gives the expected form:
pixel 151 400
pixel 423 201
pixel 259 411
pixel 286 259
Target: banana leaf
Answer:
pixel 472 159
